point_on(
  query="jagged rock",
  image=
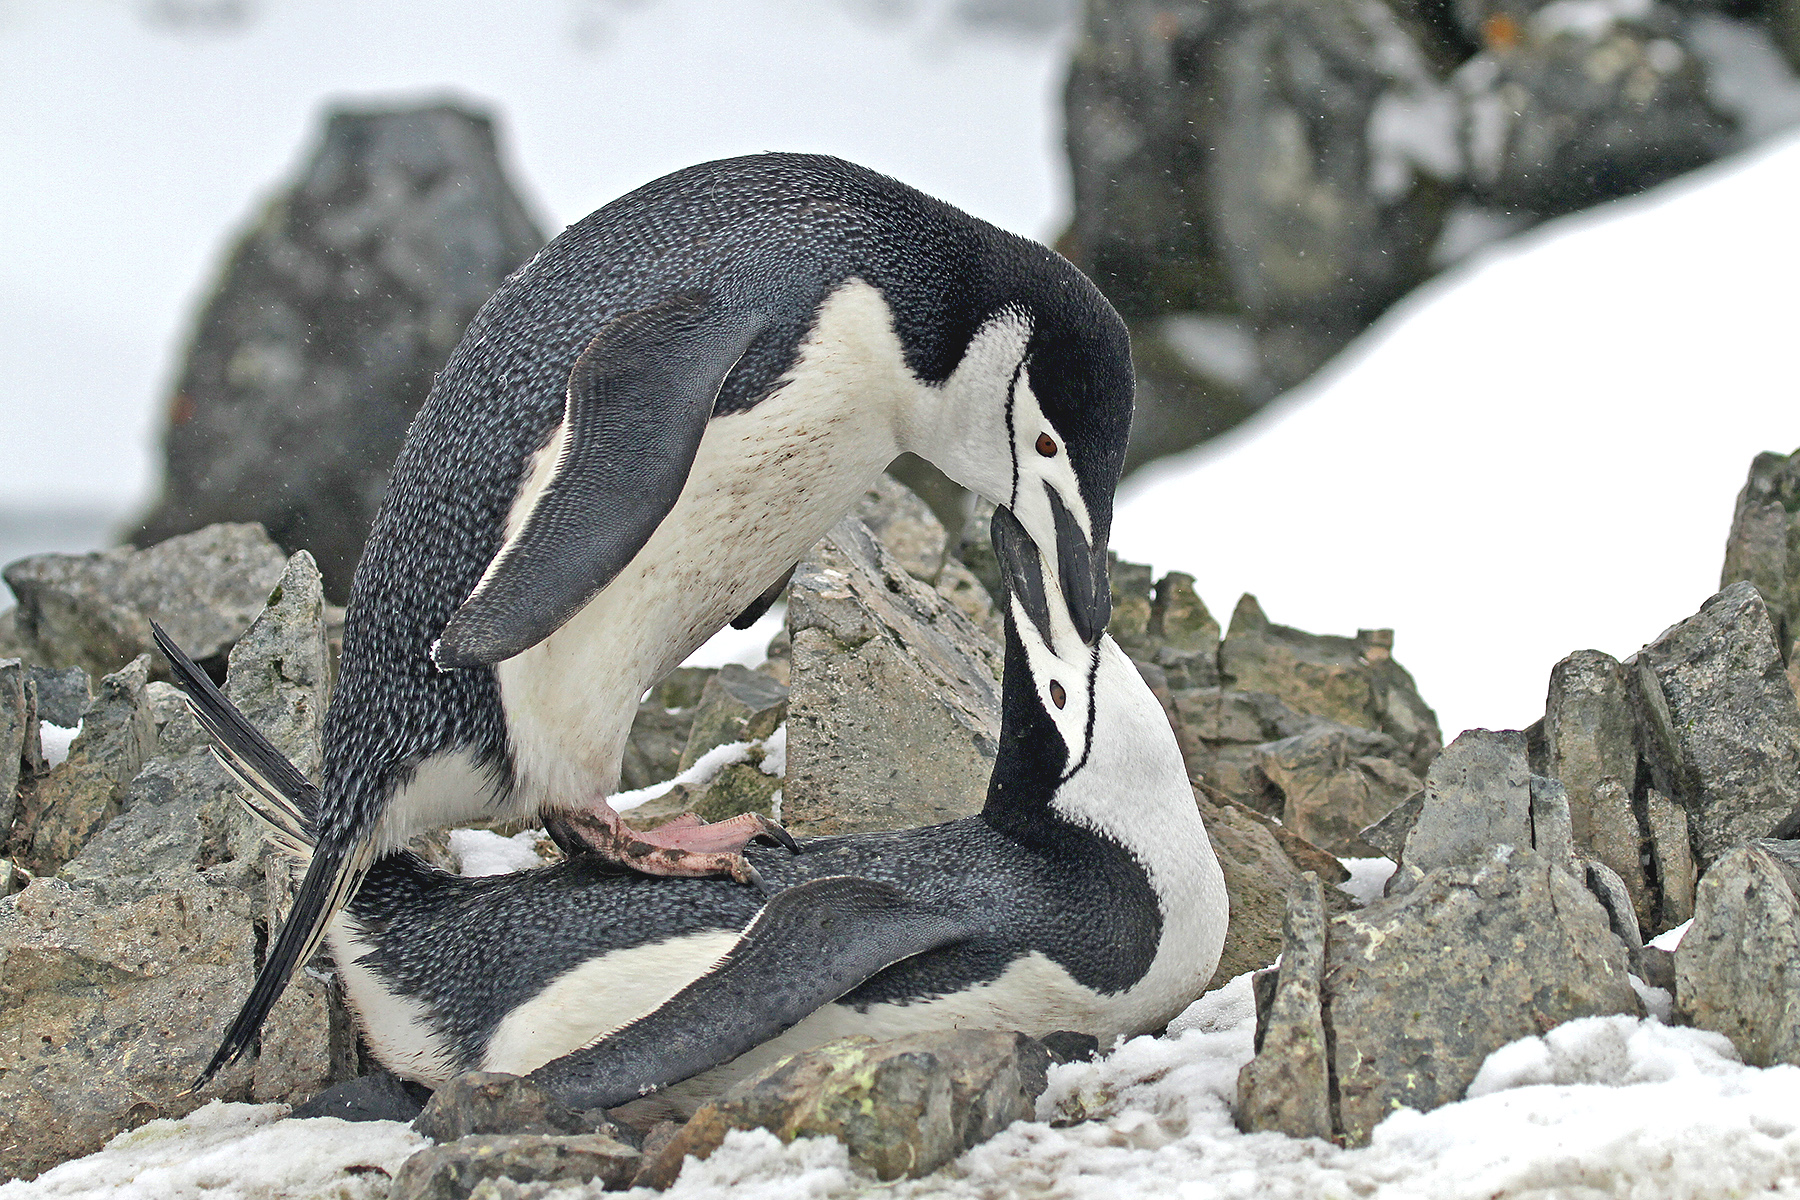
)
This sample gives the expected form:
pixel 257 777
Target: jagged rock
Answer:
pixel 1674 860
pixel 902 1108
pixel 332 314
pixel 117 976
pixel 17 726
pixel 1590 736
pixel 80 795
pixel 454 1171
pixel 1621 916
pixel 1334 780
pixel 62 696
pixel 1737 970
pixel 906 527
pixel 1351 680
pixel 894 714
pixel 1423 987
pixel 1286 1087
pixel 660 732
pixel 94 610
pixel 737 705
pixel 1720 723
pixel 488 1102
pixel 1477 795
pixel 1764 546
pixel 1220 732
pixel 1260 872
pixel 1567 114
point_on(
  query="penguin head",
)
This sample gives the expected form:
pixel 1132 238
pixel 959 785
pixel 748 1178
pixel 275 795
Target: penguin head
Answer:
pixel 1081 731
pixel 1039 418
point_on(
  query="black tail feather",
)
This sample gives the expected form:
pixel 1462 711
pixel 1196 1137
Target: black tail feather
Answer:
pixel 290 804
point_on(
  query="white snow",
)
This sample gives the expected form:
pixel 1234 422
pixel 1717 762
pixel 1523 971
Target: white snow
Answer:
pixel 1367 877
pixel 707 767
pixel 484 852
pixel 233 1152
pixel 1669 939
pixel 746 647
pixel 55 741
pixel 1535 454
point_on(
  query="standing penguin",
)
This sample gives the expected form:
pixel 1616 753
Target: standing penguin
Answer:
pixel 1085 896
pixel 638 437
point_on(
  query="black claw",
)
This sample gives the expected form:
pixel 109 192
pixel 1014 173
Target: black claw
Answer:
pixel 775 835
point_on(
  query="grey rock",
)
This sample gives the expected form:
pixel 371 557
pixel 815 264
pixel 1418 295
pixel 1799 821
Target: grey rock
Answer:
pixel 1568 116
pixel 1477 795
pixel 1721 726
pixel 1286 1087
pixel 117 973
pixel 1737 970
pixel 737 705
pixel 1590 735
pixel 902 1108
pixel 489 1102
pixel 454 1171
pixel 660 732
pixel 1334 780
pixel 333 311
pixel 894 713
pixel 1615 839
pixel 17 726
pixel 1673 858
pixel 1552 831
pixel 905 526
pixel 94 610
pixel 85 791
pixel 1764 546
pixel 1355 681
pixel 62 696
pixel 1423 987
pixel 1388 835
pixel 1621 916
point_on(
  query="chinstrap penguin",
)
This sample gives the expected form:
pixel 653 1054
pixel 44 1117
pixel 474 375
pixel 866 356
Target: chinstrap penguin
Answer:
pixel 1084 897
pixel 636 439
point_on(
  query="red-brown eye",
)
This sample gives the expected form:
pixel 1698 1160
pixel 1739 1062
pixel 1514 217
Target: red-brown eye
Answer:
pixel 1046 445
pixel 1058 697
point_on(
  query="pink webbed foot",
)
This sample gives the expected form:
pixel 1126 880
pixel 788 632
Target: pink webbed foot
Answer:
pixel 683 847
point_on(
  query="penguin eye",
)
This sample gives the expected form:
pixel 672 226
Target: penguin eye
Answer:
pixel 1046 445
pixel 1058 697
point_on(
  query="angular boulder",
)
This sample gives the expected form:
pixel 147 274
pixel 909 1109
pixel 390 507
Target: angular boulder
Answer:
pixel 1737 969
pixel 454 1171
pixel 1287 1086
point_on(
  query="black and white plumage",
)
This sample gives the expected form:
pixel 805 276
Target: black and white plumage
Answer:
pixel 1085 897
pixel 638 436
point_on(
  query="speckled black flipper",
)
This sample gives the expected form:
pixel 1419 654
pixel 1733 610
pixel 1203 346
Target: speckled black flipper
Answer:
pixel 639 399
pixel 808 946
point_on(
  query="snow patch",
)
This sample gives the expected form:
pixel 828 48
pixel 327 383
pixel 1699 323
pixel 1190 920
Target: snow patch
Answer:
pixel 484 852
pixel 1669 939
pixel 1367 877
pixel 56 740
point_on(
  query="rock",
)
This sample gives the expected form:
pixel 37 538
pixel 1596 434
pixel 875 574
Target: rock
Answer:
pixel 1721 726
pixel 1477 795
pixel 347 293
pixel 1221 733
pixel 737 705
pixel 17 725
pixel 1351 680
pixel 488 1102
pixel 62 696
pixel 1388 835
pixel 1564 114
pixel 454 1171
pixel 894 714
pixel 1590 735
pixel 94 610
pixel 660 732
pixel 117 976
pixel 902 1108
pixel 1423 987
pixel 1286 1087
pixel 1673 858
pixel 1334 780
pixel 1259 876
pixel 1621 917
pixel 1764 546
pixel 905 526
pixel 81 794
pixel 1737 970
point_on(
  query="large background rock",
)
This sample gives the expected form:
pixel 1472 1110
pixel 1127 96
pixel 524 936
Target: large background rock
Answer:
pixel 1737 970
pixel 1764 546
pixel 332 313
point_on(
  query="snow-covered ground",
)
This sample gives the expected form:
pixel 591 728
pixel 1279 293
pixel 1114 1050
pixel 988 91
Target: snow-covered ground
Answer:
pixel 1536 453
pixel 1602 1107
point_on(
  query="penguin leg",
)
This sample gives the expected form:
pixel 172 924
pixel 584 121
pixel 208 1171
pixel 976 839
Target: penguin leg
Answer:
pixel 687 850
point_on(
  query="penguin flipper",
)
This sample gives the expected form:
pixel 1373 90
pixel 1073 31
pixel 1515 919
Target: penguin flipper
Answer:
pixel 810 944
pixel 639 398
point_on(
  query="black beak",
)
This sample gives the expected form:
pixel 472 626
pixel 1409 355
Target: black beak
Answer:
pixel 1022 568
pixel 1082 573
